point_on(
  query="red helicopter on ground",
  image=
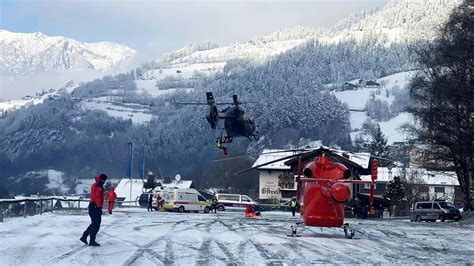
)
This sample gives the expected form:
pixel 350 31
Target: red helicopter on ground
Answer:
pixel 323 190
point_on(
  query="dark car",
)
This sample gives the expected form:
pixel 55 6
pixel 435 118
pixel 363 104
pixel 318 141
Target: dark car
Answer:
pixel 434 210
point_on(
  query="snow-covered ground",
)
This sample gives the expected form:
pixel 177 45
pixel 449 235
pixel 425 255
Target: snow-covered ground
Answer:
pixel 149 86
pixel 138 113
pixel 357 99
pixel 56 180
pixel 136 237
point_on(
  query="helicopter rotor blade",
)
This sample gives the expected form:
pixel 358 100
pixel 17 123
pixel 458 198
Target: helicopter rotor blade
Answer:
pixel 250 155
pixel 281 151
pixel 361 156
pixel 177 103
pixel 270 162
pixel 231 158
pixel 302 152
pixel 195 103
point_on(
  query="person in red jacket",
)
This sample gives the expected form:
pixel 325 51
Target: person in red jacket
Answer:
pixel 250 211
pixel 111 196
pixel 95 210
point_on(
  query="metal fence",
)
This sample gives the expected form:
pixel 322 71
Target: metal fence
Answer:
pixel 37 206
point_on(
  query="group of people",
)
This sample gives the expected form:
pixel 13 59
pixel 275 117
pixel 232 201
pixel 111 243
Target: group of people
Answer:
pixel 97 199
pixel 160 202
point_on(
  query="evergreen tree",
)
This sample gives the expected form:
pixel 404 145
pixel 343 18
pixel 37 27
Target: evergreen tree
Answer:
pixel 395 192
pixel 377 146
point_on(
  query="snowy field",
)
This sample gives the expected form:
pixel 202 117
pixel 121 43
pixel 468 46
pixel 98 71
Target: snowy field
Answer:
pixel 136 237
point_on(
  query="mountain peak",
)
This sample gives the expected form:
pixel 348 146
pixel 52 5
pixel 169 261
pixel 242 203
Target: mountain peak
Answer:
pixel 22 53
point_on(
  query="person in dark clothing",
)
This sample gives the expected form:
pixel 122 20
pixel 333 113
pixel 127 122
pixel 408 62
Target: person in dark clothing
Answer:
pixel 95 210
pixel 150 203
pixel 214 205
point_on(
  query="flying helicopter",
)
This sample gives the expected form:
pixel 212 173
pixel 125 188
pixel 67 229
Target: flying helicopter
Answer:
pixel 236 123
pixel 324 188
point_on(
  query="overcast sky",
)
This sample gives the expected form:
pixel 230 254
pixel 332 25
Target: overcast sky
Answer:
pixel 154 27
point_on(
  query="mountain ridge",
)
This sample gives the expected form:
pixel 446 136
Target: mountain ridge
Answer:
pixel 24 53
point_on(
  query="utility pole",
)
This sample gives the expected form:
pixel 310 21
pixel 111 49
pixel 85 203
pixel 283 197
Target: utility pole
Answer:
pixel 130 146
pixel 144 159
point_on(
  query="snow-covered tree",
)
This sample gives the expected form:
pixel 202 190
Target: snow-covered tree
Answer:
pixel 377 146
pixel 395 192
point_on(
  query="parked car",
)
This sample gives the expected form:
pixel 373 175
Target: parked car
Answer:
pixel 235 201
pixel 182 200
pixel 434 210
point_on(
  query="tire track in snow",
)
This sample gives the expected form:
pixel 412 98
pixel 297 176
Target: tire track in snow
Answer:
pixel 83 247
pixel 230 258
pixel 204 252
pixel 169 257
pixel 141 249
pixel 68 254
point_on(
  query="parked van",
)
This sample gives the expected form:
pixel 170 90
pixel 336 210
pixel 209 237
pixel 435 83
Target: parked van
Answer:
pixel 433 210
pixel 234 201
pixel 181 200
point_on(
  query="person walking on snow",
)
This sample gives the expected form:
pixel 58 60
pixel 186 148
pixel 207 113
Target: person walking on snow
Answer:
pixel 95 210
pixel 293 204
pixel 111 196
pixel 214 204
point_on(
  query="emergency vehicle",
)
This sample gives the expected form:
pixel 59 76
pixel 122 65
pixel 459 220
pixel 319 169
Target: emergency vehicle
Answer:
pixel 234 201
pixel 184 200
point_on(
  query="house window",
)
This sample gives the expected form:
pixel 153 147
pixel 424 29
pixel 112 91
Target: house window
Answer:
pixel 380 187
pixel 439 189
pixel 424 189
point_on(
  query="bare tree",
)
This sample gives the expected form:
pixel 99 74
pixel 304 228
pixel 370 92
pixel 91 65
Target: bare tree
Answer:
pixel 414 185
pixel 443 94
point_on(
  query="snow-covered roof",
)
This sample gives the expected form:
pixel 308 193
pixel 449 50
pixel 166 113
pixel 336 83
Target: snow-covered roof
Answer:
pixel 427 177
pixel 271 155
pixel 178 184
pixel 362 159
pixel 267 155
pixel 123 189
pixel 84 185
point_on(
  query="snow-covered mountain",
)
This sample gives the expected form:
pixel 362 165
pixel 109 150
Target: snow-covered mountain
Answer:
pixel 22 53
pixel 399 21
pixel 107 112
pixel 208 57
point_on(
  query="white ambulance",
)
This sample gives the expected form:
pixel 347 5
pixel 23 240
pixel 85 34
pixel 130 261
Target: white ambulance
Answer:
pixel 184 199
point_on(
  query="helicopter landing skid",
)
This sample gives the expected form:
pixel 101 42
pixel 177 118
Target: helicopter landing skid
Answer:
pixel 227 139
pixel 293 231
pixel 348 231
